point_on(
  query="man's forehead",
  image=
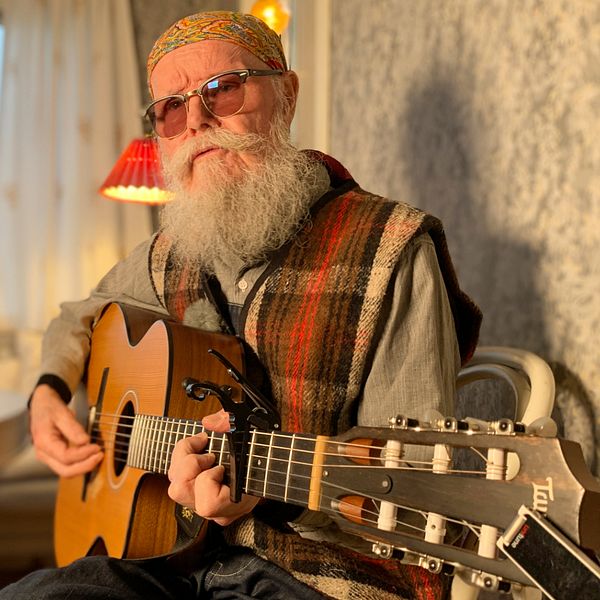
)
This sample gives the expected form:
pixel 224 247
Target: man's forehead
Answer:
pixel 242 30
pixel 190 65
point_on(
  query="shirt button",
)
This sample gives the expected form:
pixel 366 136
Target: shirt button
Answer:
pixel 243 285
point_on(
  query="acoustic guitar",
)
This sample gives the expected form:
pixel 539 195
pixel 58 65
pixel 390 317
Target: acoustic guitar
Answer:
pixel 138 410
pixel 135 369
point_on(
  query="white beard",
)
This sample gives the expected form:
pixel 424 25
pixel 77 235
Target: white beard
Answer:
pixel 238 221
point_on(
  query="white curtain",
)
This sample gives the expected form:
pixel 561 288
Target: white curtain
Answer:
pixel 70 104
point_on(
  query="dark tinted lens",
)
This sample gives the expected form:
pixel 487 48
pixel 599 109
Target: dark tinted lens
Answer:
pixel 169 116
pixel 224 95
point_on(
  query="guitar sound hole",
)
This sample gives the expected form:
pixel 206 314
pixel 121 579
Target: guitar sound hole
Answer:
pixel 122 437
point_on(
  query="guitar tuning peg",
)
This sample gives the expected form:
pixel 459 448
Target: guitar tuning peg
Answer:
pixel 543 427
pixel 433 419
pixel 402 422
pixel 477 424
pixel 453 424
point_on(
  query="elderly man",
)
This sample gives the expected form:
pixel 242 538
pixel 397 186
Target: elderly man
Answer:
pixel 348 300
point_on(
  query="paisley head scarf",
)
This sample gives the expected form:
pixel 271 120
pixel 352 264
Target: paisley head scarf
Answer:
pixel 246 31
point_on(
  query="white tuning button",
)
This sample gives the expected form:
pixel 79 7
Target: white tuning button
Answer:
pixel 543 427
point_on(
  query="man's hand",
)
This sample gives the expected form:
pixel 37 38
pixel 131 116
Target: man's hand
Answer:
pixel 196 483
pixel 59 440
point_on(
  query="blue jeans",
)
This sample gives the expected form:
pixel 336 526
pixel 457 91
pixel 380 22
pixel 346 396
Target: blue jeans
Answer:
pixel 228 574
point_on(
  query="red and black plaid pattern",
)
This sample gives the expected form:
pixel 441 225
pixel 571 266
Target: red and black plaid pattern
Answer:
pixel 313 319
pixel 176 286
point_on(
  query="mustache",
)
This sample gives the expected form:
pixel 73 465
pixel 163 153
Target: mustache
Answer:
pixel 218 138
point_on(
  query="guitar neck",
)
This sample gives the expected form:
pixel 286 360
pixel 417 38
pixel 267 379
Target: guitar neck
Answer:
pixel 279 465
pixel 361 480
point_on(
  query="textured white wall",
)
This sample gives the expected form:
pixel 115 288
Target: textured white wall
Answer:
pixel 487 114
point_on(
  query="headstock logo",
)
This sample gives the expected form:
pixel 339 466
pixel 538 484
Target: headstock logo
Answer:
pixel 542 494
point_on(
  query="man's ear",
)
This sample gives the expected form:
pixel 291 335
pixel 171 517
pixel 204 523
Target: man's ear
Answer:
pixel 291 86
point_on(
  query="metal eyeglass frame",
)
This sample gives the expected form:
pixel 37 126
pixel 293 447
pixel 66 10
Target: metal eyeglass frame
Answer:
pixel 243 74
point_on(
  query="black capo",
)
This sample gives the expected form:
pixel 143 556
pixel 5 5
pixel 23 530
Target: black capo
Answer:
pixel 254 411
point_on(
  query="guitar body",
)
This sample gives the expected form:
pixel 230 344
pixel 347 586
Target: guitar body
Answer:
pixel 136 366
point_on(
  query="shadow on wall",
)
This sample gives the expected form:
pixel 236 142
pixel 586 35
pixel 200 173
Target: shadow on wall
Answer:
pixel 575 413
pixel 447 166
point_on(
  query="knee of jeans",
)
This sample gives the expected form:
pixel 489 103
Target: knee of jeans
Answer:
pixel 230 566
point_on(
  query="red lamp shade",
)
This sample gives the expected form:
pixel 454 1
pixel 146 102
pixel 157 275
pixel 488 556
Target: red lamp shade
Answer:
pixel 137 175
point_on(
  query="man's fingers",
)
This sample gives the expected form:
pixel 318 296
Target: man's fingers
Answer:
pixel 210 493
pixel 189 445
pixel 183 476
pixel 70 427
pixel 70 470
pixel 213 499
pixel 72 454
pixel 190 466
pixel 187 462
pixel 218 422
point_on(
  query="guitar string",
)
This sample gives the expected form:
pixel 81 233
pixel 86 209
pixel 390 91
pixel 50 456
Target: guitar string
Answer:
pixel 124 437
pixel 164 452
pixel 363 447
pixel 471 526
pixel 166 421
pixel 333 511
pixel 364 511
pixel 420 512
pixel 161 456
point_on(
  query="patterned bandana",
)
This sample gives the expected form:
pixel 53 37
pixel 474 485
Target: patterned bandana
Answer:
pixel 243 30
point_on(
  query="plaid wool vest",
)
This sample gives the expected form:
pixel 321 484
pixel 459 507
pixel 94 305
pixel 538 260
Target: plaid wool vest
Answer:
pixel 312 320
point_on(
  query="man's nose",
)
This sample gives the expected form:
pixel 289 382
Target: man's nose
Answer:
pixel 197 116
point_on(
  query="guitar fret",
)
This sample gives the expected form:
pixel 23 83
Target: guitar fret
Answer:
pixel 155 442
pixel 148 446
pixel 164 427
pixel 256 467
pixel 133 441
pixel 300 469
pixel 268 465
pixel 154 435
pixel 160 445
pixel 148 442
pixel 143 441
pixel 151 445
pixel 211 439
pixel 171 440
pixel 250 456
pixel 289 467
pixel 276 479
pixel 222 450
pixel 164 445
pixel 162 424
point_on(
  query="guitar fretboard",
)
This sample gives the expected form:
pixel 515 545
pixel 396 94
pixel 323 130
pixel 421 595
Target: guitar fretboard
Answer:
pixel 279 465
